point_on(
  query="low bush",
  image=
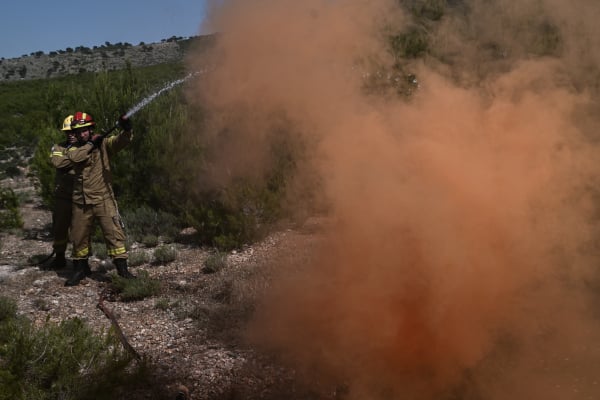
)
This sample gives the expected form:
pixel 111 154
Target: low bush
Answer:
pixel 8 308
pixel 215 262
pixel 10 216
pixel 162 304
pixel 144 224
pixel 138 257
pixel 165 254
pixel 12 171
pixel 136 289
pixel 150 240
pixel 59 361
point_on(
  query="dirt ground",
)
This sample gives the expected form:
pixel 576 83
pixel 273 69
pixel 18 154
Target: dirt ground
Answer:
pixel 194 338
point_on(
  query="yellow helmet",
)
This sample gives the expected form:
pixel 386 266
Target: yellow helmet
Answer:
pixel 67 123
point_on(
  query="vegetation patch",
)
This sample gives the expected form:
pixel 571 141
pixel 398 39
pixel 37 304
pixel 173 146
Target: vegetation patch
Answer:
pixel 136 289
pixel 138 257
pixel 150 240
pixel 10 216
pixel 165 254
pixel 145 225
pixel 215 262
pixel 62 361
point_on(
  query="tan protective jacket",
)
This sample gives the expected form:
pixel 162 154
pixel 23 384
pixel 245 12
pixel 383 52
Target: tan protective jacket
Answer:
pixel 65 175
pixel 93 180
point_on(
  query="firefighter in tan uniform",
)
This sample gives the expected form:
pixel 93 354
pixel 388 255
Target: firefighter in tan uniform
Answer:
pixel 63 192
pixel 93 197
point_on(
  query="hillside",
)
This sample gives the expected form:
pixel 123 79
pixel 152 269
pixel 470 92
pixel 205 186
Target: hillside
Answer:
pixel 108 57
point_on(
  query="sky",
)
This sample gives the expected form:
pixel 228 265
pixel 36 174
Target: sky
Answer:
pixel 28 26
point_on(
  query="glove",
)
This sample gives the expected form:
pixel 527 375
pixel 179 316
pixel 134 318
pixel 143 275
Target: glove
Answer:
pixel 97 140
pixel 125 123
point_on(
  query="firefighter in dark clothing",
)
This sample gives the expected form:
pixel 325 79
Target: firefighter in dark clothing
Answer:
pixel 93 197
pixel 63 193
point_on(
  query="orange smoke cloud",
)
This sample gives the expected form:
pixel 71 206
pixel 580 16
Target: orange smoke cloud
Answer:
pixel 461 249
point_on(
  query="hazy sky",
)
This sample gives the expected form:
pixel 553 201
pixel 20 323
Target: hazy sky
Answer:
pixel 28 26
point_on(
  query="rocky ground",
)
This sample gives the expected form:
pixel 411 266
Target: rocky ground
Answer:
pixel 191 331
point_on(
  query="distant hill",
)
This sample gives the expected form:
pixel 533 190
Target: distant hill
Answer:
pixel 108 57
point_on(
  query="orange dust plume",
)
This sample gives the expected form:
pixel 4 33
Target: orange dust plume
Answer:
pixel 461 263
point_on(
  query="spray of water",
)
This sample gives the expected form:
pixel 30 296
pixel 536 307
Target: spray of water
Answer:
pixel 147 100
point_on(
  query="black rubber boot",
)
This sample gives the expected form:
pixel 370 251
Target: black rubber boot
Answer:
pixel 86 267
pixel 121 264
pixel 59 262
pixel 78 273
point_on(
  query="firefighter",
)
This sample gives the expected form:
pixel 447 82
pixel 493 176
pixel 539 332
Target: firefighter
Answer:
pixel 93 197
pixel 63 192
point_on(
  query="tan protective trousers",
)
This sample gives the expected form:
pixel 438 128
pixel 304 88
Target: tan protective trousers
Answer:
pixel 61 221
pixel 110 222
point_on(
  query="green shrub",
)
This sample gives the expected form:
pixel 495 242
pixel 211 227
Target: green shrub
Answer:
pixel 138 257
pixel 136 289
pixel 162 304
pixel 410 44
pixel 12 171
pixel 10 216
pixel 8 308
pixel 8 199
pixel 169 239
pixel 60 361
pixel 145 224
pixel 41 166
pixel 231 219
pixel 164 254
pixel 150 240
pixel 215 262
